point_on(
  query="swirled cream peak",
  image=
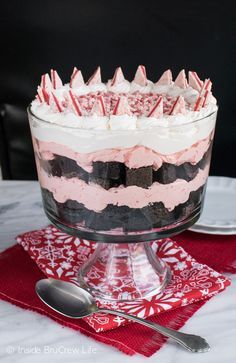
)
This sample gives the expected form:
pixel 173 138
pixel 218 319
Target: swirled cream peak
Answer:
pixel 149 104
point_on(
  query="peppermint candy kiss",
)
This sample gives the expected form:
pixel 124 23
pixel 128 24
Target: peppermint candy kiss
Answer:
pixel 99 107
pixel 141 76
pixel 95 78
pixel 178 107
pixel 165 79
pixel 118 77
pixel 181 80
pixel 122 107
pixel 46 82
pixel 157 110
pixel 56 80
pixel 76 80
pixel 75 104
pixel 194 81
pixel 57 102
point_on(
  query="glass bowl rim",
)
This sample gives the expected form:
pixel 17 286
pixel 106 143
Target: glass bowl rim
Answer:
pixel 131 131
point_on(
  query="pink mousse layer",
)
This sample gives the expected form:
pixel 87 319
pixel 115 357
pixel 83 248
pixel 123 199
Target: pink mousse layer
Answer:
pixel 96 198
pixel 135 157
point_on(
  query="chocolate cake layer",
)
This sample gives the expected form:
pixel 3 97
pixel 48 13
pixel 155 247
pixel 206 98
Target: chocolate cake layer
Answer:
pixel 129 219
pixel 113 174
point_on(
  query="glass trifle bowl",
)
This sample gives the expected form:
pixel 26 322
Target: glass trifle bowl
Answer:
pixel 123 168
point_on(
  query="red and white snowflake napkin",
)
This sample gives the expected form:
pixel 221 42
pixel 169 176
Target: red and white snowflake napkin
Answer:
pixel 59 255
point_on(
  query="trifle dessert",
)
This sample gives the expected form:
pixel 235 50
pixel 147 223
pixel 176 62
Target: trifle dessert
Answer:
pixel 123 157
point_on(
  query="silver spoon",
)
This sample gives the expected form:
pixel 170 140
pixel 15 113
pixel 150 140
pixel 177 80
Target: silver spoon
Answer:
pixel 72 301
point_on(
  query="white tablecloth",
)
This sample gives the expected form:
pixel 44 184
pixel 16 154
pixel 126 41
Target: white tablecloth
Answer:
pixel 29 337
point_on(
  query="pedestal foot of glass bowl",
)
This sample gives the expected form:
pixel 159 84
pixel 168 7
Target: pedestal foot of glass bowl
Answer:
pixel 122 271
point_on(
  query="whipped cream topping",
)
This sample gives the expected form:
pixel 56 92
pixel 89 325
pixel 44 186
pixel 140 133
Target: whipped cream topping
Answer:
pixel 72 109
pixel 95 122
pixel 68 117
pixel 123 122
pixel 165 140
pixel 184 102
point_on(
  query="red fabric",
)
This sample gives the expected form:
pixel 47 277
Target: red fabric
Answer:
pixel 59 255
pixel 19 275
pixel 217 251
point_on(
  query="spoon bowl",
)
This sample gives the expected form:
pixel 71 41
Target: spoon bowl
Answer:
pixel 67 298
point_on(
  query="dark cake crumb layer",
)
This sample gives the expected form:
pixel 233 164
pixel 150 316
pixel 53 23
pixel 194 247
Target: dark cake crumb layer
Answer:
pixel 113 174
pixel 128 219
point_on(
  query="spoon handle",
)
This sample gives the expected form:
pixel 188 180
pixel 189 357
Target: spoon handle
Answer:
pixel 193 343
